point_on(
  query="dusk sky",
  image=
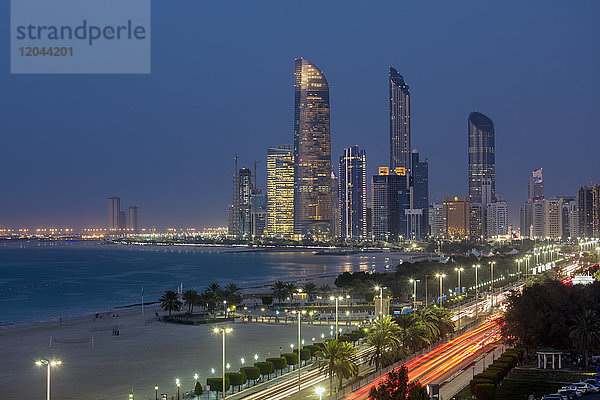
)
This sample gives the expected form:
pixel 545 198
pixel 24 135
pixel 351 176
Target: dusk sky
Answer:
pixel 222 83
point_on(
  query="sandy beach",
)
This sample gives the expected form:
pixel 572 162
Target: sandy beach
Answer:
pixel 146 352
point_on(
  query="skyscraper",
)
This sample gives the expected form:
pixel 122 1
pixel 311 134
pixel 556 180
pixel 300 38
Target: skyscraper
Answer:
pixel 536 185
pixel 312 151
pixel 456 217
pixel 133 219
pixel 399 122
pixel 353 193
pixel 336 220
pixel 436 220
pixel 280 191
pixel 420 184
pixel 114 208
pixel 390 200
pixel 244 195
pixel 585 200
pixel 482 155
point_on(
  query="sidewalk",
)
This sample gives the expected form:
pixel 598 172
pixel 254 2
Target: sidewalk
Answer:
pixel 460 381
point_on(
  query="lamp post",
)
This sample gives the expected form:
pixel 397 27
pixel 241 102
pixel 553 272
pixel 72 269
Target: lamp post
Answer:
pixel 458 271
pixel 299 348
pixel 414 282
pixel 337 299
pixel 223 332
pixel 178 383
pixel 49 365
pixel 492 280
pixel 380 288
pixel 426 294
pixel 320 390
pixel 519 269
pixel 156 391
pixel 476 292
pixel 441 276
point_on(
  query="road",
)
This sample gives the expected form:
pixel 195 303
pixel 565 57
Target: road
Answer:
pixel 440 363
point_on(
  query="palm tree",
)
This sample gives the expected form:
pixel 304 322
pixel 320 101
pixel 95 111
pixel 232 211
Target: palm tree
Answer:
pixel 204 300
pixel 279 290
pixel 190 298
pixel 335 359
pixel 325 290
pixel 385 338
pixel 585 333
pixel 232 293
pixel 290 288
pixel 169 301
pixel 311 290
pixel 411 332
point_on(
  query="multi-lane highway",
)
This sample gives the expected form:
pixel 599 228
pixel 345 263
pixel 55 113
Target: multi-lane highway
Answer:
pixel 441 362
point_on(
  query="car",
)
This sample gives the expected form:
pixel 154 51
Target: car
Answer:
pixel 591 387
pixel 582 387
pixel 592 381
pixel 575 388
pixel 570 393
pixel 555 396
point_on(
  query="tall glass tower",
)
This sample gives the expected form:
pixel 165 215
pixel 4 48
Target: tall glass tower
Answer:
pixel 312 151
pixel 353 193
pixel 482 156
pixel 399 122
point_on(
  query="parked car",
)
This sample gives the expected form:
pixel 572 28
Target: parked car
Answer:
pixel 592 381
pixel 555 396
pixel 571 387
pixel 570 393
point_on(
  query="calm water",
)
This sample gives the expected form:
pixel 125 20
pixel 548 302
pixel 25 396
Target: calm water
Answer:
pixel 45 281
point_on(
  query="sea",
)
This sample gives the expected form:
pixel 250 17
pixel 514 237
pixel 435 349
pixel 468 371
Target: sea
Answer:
pixel 48 281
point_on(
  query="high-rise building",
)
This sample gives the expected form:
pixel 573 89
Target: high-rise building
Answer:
pixel 280 191
pixel 482 156
pixel 538 219
pixel 570 225
pixel 390 200
pixel 369 222
pixel 122 221
pixel 456 217
pixel 536 185
pixel 399 121
pixel 596 211
pixel 133 219
pixel 312 151
pixel 336 219
pixel 114 208
pixel 420 186
pixel 436 220
pixel 526 219
pixel 235 209
pixel 353 193
pixel 258 207
pixel 245 189
pixel 497 219
pixel 553 218
pixel 585 200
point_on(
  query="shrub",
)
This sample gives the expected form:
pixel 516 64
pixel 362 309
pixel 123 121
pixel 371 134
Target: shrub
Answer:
pixel 251 372
pixel 198 389
pixel 360 333
pixel 493 375
pixel 292 358
pixel 478 380
pixel 266 368
pixel 313 349
pixel 279 363
pixel 236 378
pixel 267 300
pixel 216 384
pixel 485 391
pixel 510 359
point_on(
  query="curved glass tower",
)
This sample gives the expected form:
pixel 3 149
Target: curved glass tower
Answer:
pixel 312 151
pixel 399 122
pixel 482 156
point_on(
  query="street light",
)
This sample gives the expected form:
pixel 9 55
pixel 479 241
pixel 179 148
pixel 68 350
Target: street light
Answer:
pixel 476 292
pixel 156 391
pixel 441 276
pixel 380 288
pixel 337 299
pixel 320 390
pixel 414 282
pixel 224 332
pixel 492 268
pixel 519 269
pixel 458 271
pixel 299 348
pixel 178 385
pixel 49 365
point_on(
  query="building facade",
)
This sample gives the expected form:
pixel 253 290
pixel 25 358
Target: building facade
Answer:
pixel 420 194
pixel 312 151
pixel 536 185
pixel 280 191
pixel 585 201
pixel 399 122
pixel 390 200
pixel 436 220
pixel 353 193
pixel 114 210
pixel 456 217
pixel 133 219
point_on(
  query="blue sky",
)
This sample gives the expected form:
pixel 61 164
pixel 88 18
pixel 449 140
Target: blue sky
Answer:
pixel 221 84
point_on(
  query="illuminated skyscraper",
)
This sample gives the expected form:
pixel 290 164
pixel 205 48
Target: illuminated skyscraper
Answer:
pixel 244 195
pixel 536 185
pixel 114 210
pixel 456 217
pixel 482 156
pixel 353 193
pixel 312 151
pixel 399 122
pixel 280 191
pixel 390 200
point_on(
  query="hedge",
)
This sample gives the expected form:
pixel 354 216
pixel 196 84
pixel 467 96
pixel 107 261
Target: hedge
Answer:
pixel 279 363
pixel 305 354
pixel 251 372
pixel 236 378
pixel 216 384
pixel 313 349
pixel 266 368
pixel 198 389
pixel 292 358
pixel 485 391
pixel 493 375
pixel 479 380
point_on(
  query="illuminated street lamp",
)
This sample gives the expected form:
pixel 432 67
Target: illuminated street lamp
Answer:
pixel 458 271
pixel 380 300
pixel 337 299
pixel 476 291
pixel 178 383
pixel 300 313
pixel 519 260
pixel 320 390
pixel 441 276
pixel 492 280
pixel 224 332
pixel 49 365
pixel 414 282
pixel 156 391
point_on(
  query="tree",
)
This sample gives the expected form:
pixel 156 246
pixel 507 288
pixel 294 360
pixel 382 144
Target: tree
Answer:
pixel 198 389
pixel 325 290
pixel 236 379
pixel 396 386
pixel 232 293
pixel 336 359
pixel 251 373
pixel 266 368
pixel 216 384
pixel 190 298
pixel 279 363
pixel 169 301
pixel 411 333
pixel 290 288
pixel 585 333
pixel 279 290
pixel 385 338
pixel 311 291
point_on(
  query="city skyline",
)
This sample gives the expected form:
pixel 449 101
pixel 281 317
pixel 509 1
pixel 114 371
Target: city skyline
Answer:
pixel 517 99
